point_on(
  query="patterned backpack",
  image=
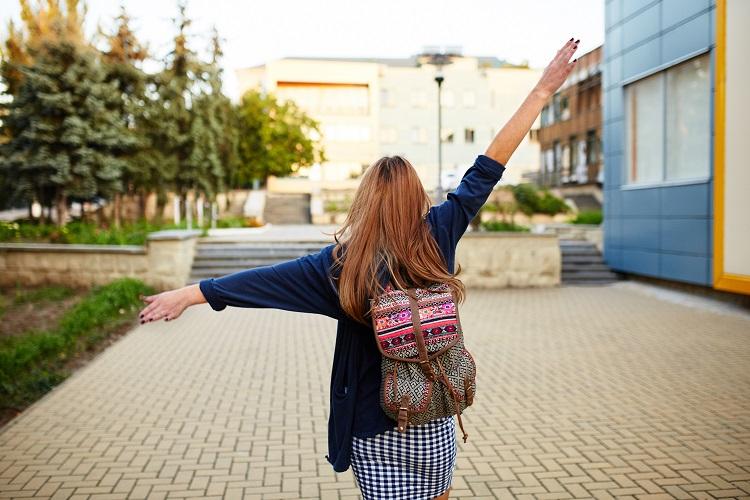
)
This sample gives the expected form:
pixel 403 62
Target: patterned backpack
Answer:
pixel 427 371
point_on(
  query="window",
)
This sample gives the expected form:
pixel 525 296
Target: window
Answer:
pixel 388 135
pixel 469 135
pixel 688 120
pixel 592 148
pixel 419 99
pixel 545 118
pixel 418 135
pixel 346 133
pixel 447 135
pixel 386 98
pixel 667 134
pixel 564 108
pixel 470 99
pixel 447 99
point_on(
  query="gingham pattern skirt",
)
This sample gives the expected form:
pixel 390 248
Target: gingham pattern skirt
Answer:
pixel 416 465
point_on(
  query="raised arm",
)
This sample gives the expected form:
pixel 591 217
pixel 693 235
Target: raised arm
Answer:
pixel 300 285
pixel 461 205
pixel 510 136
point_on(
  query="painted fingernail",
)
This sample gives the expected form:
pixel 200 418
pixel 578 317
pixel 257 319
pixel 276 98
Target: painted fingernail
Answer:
pixel 574 60
pixel 578 41
pixel 571 39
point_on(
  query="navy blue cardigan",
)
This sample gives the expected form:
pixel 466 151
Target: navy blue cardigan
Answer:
pixel 305 285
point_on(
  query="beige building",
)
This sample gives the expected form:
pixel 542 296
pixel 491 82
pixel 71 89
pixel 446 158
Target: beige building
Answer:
pixel 369 108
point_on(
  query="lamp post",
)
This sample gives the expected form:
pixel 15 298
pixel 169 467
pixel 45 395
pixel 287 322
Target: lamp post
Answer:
pixel 439 59
pixel 439 79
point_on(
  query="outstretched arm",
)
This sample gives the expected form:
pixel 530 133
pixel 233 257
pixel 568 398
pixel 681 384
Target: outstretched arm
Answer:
pixel 510 136
pixel 462 205
pixel 301 285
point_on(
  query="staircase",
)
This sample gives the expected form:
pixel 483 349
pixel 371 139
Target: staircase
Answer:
pixel 287 209
pixel 213 259
pixel 582 264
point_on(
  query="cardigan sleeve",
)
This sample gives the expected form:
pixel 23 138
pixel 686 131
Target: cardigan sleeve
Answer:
pixel 300 285
pixel 452 217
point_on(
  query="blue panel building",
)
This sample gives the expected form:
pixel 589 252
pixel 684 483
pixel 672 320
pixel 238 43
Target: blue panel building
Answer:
pixel 658 84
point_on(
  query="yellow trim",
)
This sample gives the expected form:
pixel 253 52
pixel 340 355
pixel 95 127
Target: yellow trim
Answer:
pixel 721 280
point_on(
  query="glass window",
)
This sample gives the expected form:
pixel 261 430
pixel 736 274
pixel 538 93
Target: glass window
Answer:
pixel 470 99
pixel 667 124
pixel 418 135
pixel 688 121
pixel 469 135
pixel 419 99
pixel 644 132
pixel 448 135
pixel 447 98
pixel 388 135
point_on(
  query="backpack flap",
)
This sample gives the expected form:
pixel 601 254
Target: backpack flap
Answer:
pixel 398 316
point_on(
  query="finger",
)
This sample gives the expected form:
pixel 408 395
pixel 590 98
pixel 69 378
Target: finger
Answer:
pixel 147 310
pixel 153 314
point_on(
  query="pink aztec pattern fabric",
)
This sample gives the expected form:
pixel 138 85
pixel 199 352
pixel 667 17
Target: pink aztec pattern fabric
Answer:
pixel 394 327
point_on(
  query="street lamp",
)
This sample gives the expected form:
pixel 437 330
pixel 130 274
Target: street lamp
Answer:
pixel 439 59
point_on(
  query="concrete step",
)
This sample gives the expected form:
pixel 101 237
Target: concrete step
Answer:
pixel 598 274
pixel 585 266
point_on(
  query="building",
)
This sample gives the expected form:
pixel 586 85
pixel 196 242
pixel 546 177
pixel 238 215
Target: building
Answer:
pixel 570 136
pixel 675 82
pixel 370 108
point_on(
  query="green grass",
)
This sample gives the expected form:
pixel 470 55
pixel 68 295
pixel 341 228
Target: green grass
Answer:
pixel 588 217
pixel 19 296
pixel 33 363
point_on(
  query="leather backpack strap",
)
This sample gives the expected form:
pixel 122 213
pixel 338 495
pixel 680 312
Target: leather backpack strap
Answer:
pixel 424 360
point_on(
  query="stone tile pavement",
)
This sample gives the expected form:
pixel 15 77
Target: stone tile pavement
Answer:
pixel 583 392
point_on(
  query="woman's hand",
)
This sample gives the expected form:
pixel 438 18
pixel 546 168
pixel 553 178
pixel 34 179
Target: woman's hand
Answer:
pixel 510 136
pixel 166 305
pixel 558 69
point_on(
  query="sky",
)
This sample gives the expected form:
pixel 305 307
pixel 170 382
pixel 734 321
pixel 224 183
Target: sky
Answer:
pixel 256 32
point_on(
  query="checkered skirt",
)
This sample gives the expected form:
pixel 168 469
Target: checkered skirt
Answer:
pixel 412 466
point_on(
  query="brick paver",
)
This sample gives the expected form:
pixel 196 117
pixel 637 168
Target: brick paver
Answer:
pixel 583 392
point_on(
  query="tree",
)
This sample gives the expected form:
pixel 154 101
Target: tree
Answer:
pixel 65 134
pixel 122 59
pixel 276 138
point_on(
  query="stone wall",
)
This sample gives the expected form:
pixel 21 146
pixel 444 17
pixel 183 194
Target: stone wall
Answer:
pixel 164 262
pixel 508 259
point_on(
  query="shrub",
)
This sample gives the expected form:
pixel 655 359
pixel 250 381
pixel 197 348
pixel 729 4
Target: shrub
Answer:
pixel 531 202
pixel 498 225
pixel 588 217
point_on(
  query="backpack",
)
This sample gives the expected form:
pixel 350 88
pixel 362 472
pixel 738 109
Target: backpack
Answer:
pixel 427 373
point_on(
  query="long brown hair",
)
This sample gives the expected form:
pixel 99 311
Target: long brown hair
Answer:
pixel 386 225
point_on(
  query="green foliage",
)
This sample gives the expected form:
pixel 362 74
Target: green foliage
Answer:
pixel 530 201
pixel 232 221
pixel 588 217
pixel 129 233
pixel 31 364
pixel 65 136
pixel 275 138
pixel 81 123
pixel 497 225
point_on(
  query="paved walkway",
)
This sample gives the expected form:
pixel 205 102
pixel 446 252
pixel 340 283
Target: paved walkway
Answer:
pixel 583 392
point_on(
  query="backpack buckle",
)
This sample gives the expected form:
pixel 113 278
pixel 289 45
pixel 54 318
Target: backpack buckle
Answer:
pixel 403 413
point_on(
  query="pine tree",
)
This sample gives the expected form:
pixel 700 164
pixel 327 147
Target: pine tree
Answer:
pixel 122 59
pixel 65 134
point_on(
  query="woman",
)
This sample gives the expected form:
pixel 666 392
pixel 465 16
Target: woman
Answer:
pixel 391 233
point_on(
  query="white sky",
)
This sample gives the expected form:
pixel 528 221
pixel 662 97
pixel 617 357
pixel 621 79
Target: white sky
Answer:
pixel 255 32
